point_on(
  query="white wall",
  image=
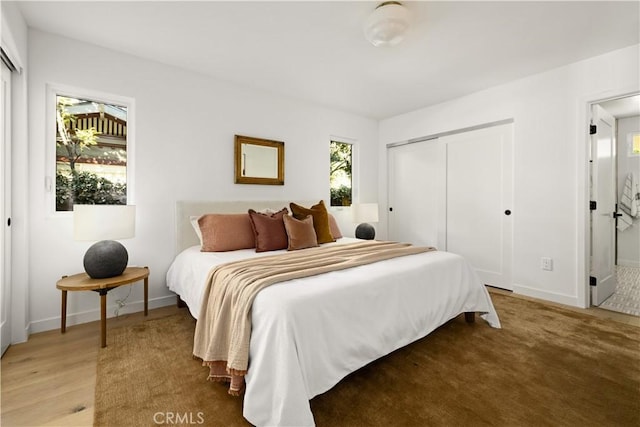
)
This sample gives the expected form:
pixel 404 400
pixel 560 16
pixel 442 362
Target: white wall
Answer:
pixel 629 239
pixel 184 128
pixel 550 162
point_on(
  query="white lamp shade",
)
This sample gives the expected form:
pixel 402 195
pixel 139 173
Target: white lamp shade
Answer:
pixel 364 212
pixel 104 222
pixel 387 24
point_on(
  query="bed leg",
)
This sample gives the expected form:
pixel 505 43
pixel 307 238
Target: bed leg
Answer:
pixel 470 316
pixel 181 304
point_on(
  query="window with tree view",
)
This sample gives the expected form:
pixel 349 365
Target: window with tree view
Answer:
pixel 340 173
pixel 91 153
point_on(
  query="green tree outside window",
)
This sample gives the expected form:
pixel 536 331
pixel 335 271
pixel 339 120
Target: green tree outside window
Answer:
pixel 91 156
pixel 341 156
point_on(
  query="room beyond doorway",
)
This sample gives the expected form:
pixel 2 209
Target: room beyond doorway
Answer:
pixel 624 218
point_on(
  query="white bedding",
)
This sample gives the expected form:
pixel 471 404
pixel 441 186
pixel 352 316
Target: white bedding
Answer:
pixel 310 333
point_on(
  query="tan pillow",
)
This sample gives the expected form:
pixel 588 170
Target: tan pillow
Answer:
pixel 333 226
pixel 320 219
pixel 226 232
pixel 300 233
pixel 269 231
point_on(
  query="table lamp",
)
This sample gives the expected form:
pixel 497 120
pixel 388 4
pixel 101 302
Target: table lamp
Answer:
pixel 364 213
pixel 104 223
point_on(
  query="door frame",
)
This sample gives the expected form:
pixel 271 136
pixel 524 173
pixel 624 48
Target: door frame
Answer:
pixel 583 223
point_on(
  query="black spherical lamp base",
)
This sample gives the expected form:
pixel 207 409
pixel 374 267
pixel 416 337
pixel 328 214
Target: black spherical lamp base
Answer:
pixel 106 258
pixel 365 231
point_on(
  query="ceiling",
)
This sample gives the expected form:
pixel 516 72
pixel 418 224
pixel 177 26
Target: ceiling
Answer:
pixel 316 51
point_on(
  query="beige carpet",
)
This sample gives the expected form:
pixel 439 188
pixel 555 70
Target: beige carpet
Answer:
pixel 546 367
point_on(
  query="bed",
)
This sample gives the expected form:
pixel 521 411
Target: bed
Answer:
pixel 309 333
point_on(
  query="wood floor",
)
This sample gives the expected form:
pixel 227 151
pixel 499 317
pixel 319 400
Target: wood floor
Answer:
pixel 50 380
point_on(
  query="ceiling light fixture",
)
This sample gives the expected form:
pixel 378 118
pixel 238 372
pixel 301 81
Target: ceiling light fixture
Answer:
pixel 387 24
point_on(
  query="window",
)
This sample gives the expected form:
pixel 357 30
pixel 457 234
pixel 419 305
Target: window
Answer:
pixel 634 144
pixel 91 152
pixel 340 173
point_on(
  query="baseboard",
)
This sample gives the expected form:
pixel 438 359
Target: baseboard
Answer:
pixel 570 300
pixel 93 315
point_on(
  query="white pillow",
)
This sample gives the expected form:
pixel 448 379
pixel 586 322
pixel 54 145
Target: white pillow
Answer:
pixel 266 211
pixel 196 227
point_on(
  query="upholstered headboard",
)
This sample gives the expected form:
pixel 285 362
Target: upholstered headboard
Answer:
pixel 186 236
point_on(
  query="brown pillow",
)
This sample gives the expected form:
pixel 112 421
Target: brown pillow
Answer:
pixel 269 231
pixel 226 232
pixel 320 219
pixel 333 227
pixel 300 233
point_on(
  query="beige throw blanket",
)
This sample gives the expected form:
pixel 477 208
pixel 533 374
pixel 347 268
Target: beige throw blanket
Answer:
pixel 223 329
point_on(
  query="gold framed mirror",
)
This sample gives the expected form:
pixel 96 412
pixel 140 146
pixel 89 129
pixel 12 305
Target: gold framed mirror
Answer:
pixel 259 161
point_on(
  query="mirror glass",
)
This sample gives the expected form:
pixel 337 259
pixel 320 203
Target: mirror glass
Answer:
pixel 259 161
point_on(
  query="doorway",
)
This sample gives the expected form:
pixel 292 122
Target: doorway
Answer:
pixel 615 219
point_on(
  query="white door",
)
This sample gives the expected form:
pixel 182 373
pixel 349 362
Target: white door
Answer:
pixel 417 193
pixel 5 209
pixel 480 201
pixel 603 193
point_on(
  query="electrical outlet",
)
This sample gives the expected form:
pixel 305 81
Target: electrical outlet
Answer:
pixel 546 263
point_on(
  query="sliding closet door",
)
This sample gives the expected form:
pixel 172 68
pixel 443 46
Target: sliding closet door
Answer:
pixel 480 199
pixel 417 193
pixel 5 208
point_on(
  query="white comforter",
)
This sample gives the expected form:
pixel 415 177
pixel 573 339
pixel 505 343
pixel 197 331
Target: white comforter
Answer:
pixel 310 333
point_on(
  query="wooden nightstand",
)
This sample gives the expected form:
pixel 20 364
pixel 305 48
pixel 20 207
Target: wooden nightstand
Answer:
pixel 82 282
